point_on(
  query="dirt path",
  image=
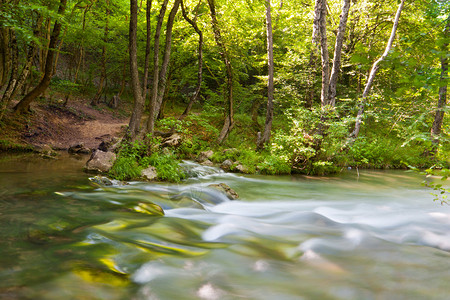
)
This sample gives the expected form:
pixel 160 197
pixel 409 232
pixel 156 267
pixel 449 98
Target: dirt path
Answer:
pixel 78 123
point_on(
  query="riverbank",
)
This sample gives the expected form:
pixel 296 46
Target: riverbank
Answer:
pixel 53 125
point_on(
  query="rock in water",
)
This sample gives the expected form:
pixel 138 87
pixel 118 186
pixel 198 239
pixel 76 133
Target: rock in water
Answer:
pixel 100 161
pixel 224 188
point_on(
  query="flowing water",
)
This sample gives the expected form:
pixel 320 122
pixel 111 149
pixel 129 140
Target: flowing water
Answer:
pixel 372 235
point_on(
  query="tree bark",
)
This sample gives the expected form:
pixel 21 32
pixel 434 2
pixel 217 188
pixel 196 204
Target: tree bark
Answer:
pixel 320 32
pixel 5 55
pixel 166 58
pixel 101 87
pixel 14 73
pixel 229 113
pixel 270 87
pixel 24 104
pixel 154 94
pixel 337 53
pixel 442 102
pixel 147 50
pixel 135 118
pixel 373 71
pixel 200 63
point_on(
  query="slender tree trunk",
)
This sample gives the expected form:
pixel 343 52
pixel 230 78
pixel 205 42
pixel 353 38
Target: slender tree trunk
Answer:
pixel 166 58
pixel 200 63
pixel 442 103
pixel 320 32
pixel 147 50
pixel 270 88
pixel 229 113
pixel 337 53
pixel 101 87
pixel 24 104
pixel 154 94
pixel 373 72
pixel 135 118
pixel 124 77
pixel 5 55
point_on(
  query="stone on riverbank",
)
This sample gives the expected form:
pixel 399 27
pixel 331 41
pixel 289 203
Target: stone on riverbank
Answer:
pixel 100 161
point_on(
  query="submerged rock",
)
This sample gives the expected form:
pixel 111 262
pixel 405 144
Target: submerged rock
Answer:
pixel 100 161
pixel 149 173
pixel 226 189
pixel 101 180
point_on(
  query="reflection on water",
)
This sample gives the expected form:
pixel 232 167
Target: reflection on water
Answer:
pixel 376 236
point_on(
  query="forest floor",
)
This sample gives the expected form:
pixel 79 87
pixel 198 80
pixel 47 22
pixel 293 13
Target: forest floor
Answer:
pixel 60 127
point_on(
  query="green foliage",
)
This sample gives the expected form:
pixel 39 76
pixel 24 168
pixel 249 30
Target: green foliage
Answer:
pixel 125 168
pixel 273 165
pixel 171 123
pixel 167 166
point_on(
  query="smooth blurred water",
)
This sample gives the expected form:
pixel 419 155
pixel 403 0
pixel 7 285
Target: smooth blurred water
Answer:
pixel 378 235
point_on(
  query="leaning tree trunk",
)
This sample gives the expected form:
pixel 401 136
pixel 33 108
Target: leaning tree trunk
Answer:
pixel 439 117
pixel 154 93
pixel 24 104
pixel 373 71
pixel 229 118
pixel 135 118
pixel 337 53
pixel 320 32
pixel 270 88
pixel 200 63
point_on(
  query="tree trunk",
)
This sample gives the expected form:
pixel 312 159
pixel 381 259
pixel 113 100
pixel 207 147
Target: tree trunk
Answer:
pixel 135 118
pixel 229 118
pixel 101 87
pixel 269 114
pixel 147 50
pixel 337 53
pixel 14 73
pixel 439 116
pixel 24 104
pixel 373 72
pixel 320 31
pixel 200 63
pixel 5 55
pixel 154 95
pixel 166 58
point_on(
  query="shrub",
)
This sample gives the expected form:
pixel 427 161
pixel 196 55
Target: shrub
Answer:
pixel 125 168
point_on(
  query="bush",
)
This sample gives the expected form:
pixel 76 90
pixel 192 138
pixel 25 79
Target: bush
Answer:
pixel 167 166
pixel 125 168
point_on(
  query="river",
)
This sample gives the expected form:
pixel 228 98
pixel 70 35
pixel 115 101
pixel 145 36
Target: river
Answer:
pixel 356 235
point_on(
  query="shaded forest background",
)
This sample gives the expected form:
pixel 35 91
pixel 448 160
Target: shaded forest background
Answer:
pixel 201 68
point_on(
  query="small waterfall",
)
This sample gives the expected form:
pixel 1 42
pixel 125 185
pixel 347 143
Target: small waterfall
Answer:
pixel 195 170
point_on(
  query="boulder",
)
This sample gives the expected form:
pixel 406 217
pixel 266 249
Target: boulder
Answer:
pixel 100 161
pixel 226 189
pixel 204 156
pixel 172 141
pixel 108 143
pixel 226 165
pixel 207 163
pixel 79 149
pixel 149 173
pixel 240 168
